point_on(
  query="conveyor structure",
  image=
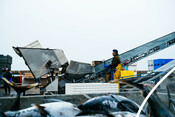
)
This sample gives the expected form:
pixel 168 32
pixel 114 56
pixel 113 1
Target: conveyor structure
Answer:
pixel 136 54
pixel 45 61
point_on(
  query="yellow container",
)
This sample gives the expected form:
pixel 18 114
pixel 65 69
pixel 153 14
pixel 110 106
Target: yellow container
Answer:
pixel 127 74
pixel 124 74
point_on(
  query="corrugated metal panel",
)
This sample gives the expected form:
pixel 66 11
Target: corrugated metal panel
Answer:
pixel 91 88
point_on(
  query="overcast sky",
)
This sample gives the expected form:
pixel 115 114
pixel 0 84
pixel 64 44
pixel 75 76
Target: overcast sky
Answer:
pixel 86 30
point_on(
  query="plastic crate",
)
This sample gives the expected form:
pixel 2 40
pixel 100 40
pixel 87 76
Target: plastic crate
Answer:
pixel 127 74
pixel 160 62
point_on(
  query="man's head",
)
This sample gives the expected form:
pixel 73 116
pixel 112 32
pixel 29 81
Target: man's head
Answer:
pixel 115 52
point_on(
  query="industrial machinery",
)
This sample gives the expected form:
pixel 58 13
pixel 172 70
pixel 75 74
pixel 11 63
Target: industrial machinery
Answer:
pixel 134 55
pixel 42 61
pixel 46 61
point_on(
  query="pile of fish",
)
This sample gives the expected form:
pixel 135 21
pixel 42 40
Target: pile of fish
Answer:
pixel 110 106
pixel 157 107
pixel 102 106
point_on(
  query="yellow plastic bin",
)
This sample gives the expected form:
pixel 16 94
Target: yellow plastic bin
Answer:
pixel 127 74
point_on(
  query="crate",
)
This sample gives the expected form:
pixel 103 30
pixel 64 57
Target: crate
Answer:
pixel 127 74
pixel 157 63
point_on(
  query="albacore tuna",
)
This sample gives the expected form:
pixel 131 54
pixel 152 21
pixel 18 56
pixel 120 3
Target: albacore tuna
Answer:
pixel 158 109
pixel 108 104
pixel 55 109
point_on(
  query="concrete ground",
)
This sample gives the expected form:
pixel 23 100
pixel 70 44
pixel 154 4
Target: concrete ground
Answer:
pixel 26 101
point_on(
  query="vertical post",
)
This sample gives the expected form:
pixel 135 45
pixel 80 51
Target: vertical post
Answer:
pixel 106 75
pixel 52 75
pixel 118 87
pixel 57 78
pixel 20 77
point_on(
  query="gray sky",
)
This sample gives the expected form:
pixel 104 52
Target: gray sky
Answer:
pixel 86 30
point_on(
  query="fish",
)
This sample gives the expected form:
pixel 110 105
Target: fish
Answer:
pixel 108 104
pixel 170 99
pixel 54 109
pixel 41 110
pixel 158 109
pixel 19 89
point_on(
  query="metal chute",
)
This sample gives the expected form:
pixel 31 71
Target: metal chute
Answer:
pixel 77 70
pixel 41 61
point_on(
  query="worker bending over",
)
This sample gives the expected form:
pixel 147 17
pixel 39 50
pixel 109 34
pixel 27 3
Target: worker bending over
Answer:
pixel 115 64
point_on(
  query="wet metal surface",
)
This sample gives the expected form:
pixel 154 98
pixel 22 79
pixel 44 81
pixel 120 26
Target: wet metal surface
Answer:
pixel 77 70
pixel 41 61
pixel 142 51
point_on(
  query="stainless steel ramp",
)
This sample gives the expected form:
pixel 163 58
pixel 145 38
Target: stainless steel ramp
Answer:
pixel 40 61
pixel 142 51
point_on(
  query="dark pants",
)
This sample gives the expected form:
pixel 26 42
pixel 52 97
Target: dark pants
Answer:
pixel 6 87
